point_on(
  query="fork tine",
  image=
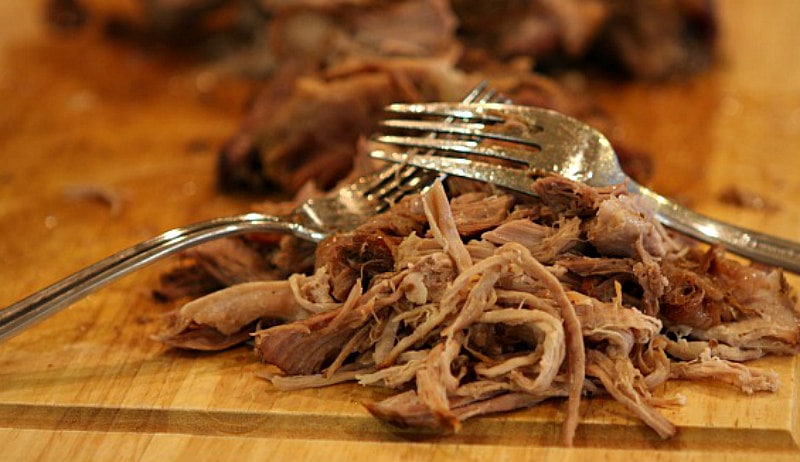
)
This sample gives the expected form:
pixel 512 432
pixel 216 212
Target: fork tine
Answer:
pixel 406 179
pixel 488 95
pixel 393 183
pixel 471 129
pixel 511 178
pixel 481 89
pixel 414 184
pixel 460 146
pixel 454 110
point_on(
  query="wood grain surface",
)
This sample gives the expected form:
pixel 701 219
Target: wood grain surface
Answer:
pixel 80 115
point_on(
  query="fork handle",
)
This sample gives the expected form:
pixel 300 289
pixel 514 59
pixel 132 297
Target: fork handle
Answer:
pixel 61 294
pixel 748 243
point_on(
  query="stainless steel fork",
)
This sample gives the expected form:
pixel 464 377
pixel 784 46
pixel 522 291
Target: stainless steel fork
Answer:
pixel 541 140
pixel 313 220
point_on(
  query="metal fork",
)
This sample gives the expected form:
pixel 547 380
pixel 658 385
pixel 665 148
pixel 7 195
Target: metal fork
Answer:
pixel 313 220
pixel 540 140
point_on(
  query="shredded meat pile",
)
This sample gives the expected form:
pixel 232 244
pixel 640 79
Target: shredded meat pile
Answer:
pixel 491 302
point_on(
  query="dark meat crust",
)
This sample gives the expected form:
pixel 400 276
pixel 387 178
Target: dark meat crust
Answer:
pixel 306 128
pixel 651 39
pixel 370 250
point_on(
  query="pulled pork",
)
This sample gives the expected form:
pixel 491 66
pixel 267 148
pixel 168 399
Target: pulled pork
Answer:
pixel 468 310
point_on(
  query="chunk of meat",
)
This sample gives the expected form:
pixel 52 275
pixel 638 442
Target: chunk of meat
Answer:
pixel 477 212
pixel 749 379
pixel 226 317
pixel 546 243
pixel 620 223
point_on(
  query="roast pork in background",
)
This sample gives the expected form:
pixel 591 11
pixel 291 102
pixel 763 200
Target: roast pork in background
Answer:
pixel 326 68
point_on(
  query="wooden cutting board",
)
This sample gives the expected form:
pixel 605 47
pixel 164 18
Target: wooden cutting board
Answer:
pixel 80 117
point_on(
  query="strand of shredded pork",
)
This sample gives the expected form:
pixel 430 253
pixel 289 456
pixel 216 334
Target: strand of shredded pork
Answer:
pixel 490 303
